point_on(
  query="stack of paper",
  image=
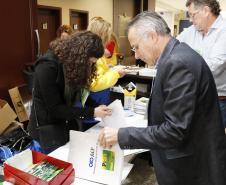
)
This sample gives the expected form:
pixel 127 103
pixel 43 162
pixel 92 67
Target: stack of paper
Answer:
pixel 148 72
pixel 129 69
pixel 140 106
pixel 133 69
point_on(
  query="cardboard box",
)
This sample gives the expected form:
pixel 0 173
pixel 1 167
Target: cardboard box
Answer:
pixel 7 115
pixel 14 169
pixel 21 99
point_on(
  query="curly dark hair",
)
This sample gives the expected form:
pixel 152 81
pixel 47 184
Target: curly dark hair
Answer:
pixel 212 4
pixel 75 53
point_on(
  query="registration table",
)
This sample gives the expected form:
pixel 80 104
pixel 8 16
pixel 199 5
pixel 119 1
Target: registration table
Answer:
pixel 135 120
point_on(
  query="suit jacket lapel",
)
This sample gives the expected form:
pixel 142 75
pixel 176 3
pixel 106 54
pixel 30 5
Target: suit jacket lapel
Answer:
pixel 163 57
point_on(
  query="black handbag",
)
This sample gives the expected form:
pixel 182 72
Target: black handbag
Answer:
pixel 16 138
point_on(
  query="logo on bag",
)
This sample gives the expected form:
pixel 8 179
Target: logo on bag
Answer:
pixel 91 158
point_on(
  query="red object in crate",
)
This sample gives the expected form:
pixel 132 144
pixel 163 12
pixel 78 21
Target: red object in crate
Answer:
pixel 16 176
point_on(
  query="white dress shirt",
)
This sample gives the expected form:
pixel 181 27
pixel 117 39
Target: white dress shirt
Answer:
pixel 212 47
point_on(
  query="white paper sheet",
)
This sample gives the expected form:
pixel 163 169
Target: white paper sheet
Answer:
pixel 92 162
pixel 117 119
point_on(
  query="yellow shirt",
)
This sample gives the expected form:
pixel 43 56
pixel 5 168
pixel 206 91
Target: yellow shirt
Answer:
pixel 113 60
pixel 106 77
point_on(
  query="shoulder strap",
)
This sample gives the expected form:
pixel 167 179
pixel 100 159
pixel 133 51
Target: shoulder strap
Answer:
pixel 36 118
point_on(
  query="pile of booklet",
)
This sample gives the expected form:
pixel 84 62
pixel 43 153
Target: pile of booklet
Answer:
pixel 132 69
pixel 140 105
pixel 31 167
pixel 44 170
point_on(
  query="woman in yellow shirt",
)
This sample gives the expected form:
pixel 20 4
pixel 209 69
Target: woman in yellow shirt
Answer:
pixel 106 77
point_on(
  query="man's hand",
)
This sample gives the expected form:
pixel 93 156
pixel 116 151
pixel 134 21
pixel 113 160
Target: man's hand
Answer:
pixel 102 111
pixel 108 137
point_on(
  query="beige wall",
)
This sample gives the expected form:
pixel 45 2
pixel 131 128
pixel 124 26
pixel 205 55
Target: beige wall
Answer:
pixel 151 5
pixel 103 8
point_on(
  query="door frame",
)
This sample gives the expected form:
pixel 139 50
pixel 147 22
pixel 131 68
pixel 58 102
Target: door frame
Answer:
pixel 79 11
pixel 58 11
pixel 52 8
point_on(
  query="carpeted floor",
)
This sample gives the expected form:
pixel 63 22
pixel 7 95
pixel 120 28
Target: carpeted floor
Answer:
pixel 141 174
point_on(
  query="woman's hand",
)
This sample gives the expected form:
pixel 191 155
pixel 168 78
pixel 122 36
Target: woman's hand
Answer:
pixel 102 111
pixel 122 72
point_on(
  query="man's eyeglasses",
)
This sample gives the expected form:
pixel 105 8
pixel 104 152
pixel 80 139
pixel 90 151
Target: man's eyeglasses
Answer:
pixel 192 15
pixel 135 48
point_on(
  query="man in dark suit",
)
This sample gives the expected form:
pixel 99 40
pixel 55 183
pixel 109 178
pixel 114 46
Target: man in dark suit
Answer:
pixel 185 133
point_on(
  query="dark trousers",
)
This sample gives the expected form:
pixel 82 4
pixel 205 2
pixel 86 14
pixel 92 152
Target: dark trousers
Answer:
pixel 223 111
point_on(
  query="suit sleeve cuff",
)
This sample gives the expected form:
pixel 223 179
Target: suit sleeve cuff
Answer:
pixel 123 138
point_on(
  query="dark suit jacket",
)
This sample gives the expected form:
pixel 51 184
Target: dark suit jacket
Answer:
pixel 185 133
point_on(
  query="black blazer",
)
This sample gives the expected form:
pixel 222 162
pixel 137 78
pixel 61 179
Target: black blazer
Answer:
pixel 185 133
pixel 50 104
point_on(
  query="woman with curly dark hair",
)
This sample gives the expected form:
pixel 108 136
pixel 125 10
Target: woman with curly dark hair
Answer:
pixel 61 78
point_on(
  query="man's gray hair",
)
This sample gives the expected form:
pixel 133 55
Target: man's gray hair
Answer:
pixel 212 4
pixel 149 21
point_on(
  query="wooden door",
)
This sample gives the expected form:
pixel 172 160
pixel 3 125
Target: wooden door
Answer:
pixel 18 22
pixel 79 19
pixel 49 20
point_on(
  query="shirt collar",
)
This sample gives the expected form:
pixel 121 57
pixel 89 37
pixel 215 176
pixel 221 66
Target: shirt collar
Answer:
pixel 217 23
pixel 167 50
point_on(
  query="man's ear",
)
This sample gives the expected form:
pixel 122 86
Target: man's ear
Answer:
pixel 153 36
pixel 206 10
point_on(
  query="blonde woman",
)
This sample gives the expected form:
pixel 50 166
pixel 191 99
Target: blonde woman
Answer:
pixel 106 77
